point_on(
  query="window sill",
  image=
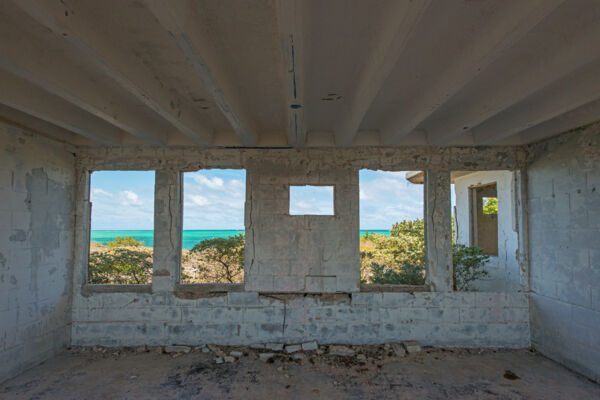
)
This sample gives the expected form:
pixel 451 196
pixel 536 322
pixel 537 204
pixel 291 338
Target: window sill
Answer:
pixel 192 290
pixel 373 287
pixel 91 288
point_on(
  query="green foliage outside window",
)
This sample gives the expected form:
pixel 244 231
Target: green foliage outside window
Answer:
pixel 400 258
pixel 124 241
pixel 122 261
pixel 468 264
pixel 218 260
pixel 490 205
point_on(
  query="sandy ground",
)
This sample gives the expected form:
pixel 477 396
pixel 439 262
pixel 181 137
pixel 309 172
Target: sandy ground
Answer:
pixel 431 374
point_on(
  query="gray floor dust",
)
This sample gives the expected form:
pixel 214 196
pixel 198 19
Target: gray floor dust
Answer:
pixel 431 374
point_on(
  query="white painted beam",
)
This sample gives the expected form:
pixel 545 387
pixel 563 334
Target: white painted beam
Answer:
pixel 505 28
pixel 290 19
pixel 386 50
pixel 180 20
pixel 29 99
pixel 576 90
pixel 28 60
pixel 75 27
pixel 577 49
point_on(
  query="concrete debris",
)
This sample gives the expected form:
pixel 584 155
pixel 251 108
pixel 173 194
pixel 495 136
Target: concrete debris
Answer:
pixel 177 349
pixel 219 360
pixel 398 350
pixel 236 353
pixel 411 346
pixel 141 349
pixel 216 350
pixel 229 359
pixel 257 346
pixel 274 346
pixel 361 357
pixel 310 346
pixel 292 348
pixel 266 356
pixel 298 356
pixel 342 351
pixel 205 349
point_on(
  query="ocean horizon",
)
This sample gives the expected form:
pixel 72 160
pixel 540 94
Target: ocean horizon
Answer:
pixel 190 236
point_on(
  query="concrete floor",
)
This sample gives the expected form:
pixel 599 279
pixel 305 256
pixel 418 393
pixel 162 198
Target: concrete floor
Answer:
pixel 431 374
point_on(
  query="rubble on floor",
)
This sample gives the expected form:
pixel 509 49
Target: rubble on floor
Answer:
pixel 267 352
pixel 373 371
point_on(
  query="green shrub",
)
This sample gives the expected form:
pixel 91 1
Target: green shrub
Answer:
pixel 121 266
pixel 408 274
pixel 126 241
pixel 469 265
pixel 490 205
pixel 220 260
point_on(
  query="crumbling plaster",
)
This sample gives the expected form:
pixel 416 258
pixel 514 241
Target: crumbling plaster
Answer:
pixel 36 247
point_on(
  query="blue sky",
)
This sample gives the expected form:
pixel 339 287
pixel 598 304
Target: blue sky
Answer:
pixel 387 197
pixel 312 200
pixel 214 199
pixel 122 200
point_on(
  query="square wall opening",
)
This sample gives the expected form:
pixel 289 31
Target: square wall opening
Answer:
pixel 312 200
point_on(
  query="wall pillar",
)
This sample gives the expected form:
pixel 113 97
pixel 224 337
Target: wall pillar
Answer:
pixel 520 181
pixel 82 228
pixel 167 230
pixel 438 230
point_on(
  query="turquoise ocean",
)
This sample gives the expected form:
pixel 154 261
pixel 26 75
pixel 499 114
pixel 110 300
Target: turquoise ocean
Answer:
pixel 190 237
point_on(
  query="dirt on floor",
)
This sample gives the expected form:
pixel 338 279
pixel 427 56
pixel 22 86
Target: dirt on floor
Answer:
pixel 371 372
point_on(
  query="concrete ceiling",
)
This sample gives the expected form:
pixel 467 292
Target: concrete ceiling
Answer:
pixel 300 73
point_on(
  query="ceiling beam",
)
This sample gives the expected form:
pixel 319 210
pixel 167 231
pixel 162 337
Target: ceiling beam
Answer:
pixel 27 122
pixel 27 98
pixel 290 22
pixel 584 115
pixel 180 20
pixel 378 65
pixel 576 90
pixel 577 49
pixel 29 60
pixel 505 28
pixel 119 64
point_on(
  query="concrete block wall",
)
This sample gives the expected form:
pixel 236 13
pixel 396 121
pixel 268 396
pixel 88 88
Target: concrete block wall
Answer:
pixel 36 244
pixel 503 269
pixel 285 253
pixel 461 319
pixel 564 235
pixel 300 253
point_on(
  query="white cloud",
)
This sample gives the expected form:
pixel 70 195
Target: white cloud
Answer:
pixel 100 192
pixel 129 198
pixel 388 198
pixel 214 183
pixel 199 200
pixel 213 202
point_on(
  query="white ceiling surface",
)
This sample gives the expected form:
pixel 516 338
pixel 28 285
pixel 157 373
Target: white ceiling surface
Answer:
pixel 300 73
